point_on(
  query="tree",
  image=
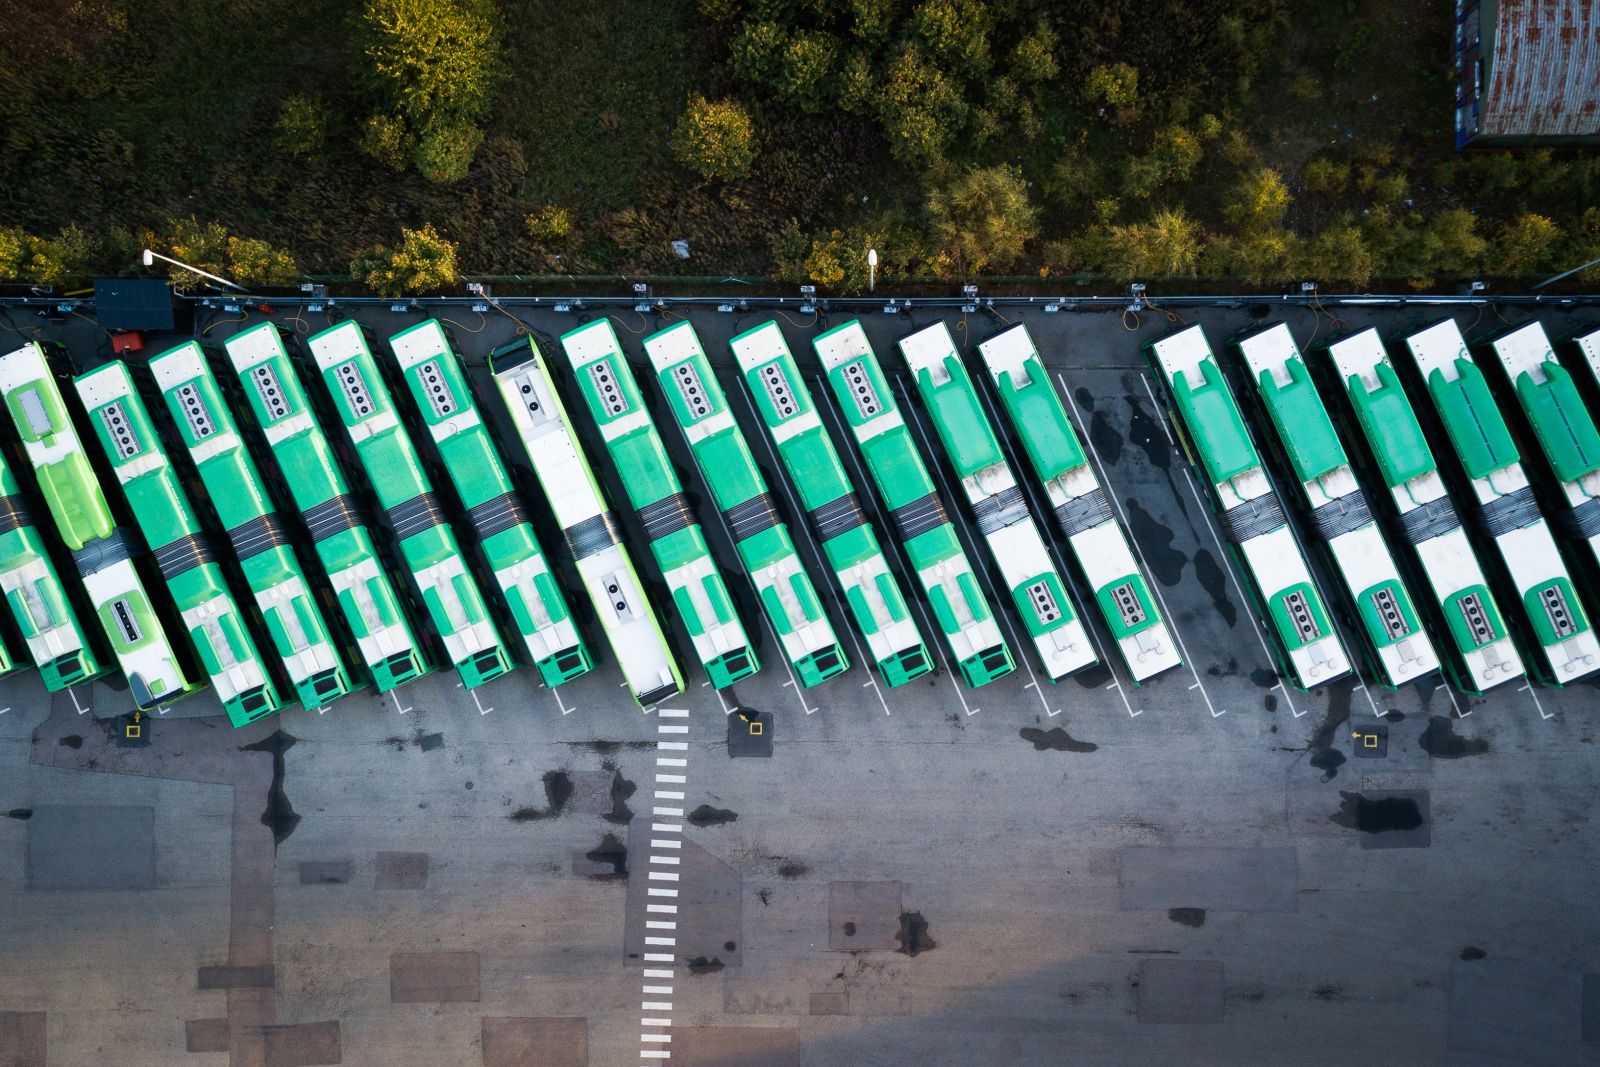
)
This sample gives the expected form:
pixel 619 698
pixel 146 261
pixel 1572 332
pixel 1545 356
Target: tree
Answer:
pixel 807 68
pixel 432 60
pixel 1451 243
pixel 551 224
pixel 1168 245
pixel 13 249
pixel 1259 200
pixel 58 259
pixel 715 138
pixel 423 261
pixel 202 245
pixel 1114 85
pixel 1525 244
pixel 386 139
pixel 1033 60
pixel 956 33
pixel 920 106
pixel 982 220
pixel 1339 253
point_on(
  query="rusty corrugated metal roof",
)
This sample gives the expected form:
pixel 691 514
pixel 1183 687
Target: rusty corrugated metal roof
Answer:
pixel 1544 79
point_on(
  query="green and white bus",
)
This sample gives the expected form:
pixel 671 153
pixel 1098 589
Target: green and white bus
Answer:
pixel 929 540
pixel 1206 417
pixel 433 372
pixel 999 506
pixel 699 594
pixel 1122 591
pixel 262 541
pixel 759 535
pixel 870 589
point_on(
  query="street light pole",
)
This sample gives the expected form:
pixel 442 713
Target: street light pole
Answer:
pixel 872 269
pixel 151 257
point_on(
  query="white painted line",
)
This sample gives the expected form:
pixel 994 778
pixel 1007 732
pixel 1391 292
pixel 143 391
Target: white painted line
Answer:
pixel 5 709
pixel 664 860
pixel 665 828
pixel 481 709
pixel 662 909
pixel 659 990
pixel 1542 713
pixel 1362 687
pixel 659 957
pixel 555 691
pixel 1155 404
pixel 1453 702
pixel 1244 601
pixel 668 794
pixel 162 710
pixel 1155 586
pixel 667 942
pixel 74 696
pixel 656 1037
pixel 665 728
pixel 660 842
pixel 676 779
pixel 727 709
pixel 660 924
pixel 655 1022
pixel 672 713
pixel 655 1054
pixel 673 746
pixel 657 1005
pixel 777 642
pixel 671 812
pixel 655 892
pixel 669 761
pixel 663 876
pixel 654 972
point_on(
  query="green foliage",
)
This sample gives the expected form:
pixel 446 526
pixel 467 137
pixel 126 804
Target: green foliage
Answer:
pixel 981 221
pixel 956 34
pixel 807 66
pixel 386 139
pixel 1034 57
pixel 837 259
pixel 68 256
pixel 1526 244
pixel 13 249
pixel 422 262
pixel 1325 176
pixel 1340 254
pixel 445 151
pixel 303 125
pixel 920 106
pixel 715 138
pixel 1168 245
pixel 253 262
pixel 756 52
pixel 432 61
pixel 1451 243
pixel 1114 85
pixel 550 224
pixel 203 245
pixel 1258 201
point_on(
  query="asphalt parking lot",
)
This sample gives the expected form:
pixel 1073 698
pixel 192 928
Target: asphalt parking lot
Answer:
pixel 1211 868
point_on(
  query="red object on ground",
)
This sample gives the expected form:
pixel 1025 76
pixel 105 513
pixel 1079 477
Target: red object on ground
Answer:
pixel 131 341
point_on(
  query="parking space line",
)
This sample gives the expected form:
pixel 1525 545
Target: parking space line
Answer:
pixel 983 572
pixel 80 707
pixel 1362 687
pixel 1453 702
pixel 1155 586
pixel 555 691
pixel 473 693
pixel 1244 601
pixel 1154 403
pixel 916 602
pixel 1528 688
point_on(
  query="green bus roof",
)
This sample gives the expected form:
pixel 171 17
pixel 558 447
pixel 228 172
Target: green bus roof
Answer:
pixel 1564 426
pixel 1302 421
pixel 1391 427
pixel 1213 423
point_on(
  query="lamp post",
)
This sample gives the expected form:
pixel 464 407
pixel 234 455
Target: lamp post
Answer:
pixel 150 261
pixel 872 269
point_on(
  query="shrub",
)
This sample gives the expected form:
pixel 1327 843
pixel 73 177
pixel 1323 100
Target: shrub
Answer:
pixel 303 125
pixel 1115 85
pixel 982 220
pixel 550 224
pixel 715 138
pixel 423 261
pixel 806 69
pixel 1451 243
pixel 386 139
pixel 445 151
pixel 65 257
pixel 756 52
pixel 255 262
pixel 203 245
pixel 13 250
pixel 921 107
pixel 432 61
pixel 1525 244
